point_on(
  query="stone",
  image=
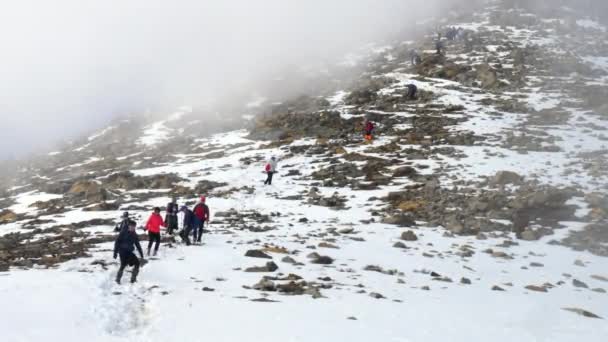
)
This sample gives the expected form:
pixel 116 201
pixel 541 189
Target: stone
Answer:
pixel 506 177
pixel 580 284
pixel 265 285
pixel 409 236
pixel 288 260
pixel 529 235
pixel 400 220
pixel 536 288
pixel 376 295
pixel 465 281
pixel 497 288
pixel 269 267
pixel 405 171
pixel 256 253
pixel 323 260
pixel 582 312
pixel 399 244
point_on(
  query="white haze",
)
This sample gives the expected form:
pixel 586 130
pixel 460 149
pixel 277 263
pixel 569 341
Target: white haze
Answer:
pixel 71 65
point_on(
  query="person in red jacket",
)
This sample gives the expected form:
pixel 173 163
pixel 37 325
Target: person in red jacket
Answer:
pixel 201 214
pixel 153 227
pixel 369 130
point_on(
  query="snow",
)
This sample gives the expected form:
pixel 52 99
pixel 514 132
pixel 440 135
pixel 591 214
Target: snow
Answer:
pixel 590 24
pixel 78 300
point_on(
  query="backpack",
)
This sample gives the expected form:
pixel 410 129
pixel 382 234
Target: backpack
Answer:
pixel 268 167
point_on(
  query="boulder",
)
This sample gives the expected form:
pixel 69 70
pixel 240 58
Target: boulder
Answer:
pixel 269 267
pixel 256 253
pixel 409 236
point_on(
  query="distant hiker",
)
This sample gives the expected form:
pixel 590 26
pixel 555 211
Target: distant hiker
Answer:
pixel 369 130
pixel 439 44
pixel 188 224
pixel 201 213
pixel 410 91
pixel 153 227
pixel 171 216
pixel 415 57
pixel 271 169
pixel 124 246
pixel 124 224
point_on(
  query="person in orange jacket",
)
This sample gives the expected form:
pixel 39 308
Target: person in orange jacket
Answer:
pixel 153 227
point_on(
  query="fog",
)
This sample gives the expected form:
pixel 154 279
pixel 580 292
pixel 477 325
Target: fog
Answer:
pixel 69 66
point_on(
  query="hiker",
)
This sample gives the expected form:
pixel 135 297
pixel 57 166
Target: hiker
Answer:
pixel 153 227
pixel 369 130
pixel 188 224
pixel 124 246
pixel 124 224
pixel 410 92
pixel 171 216
pixel 271 169
pixel 439 44
pixel 415 57
pixel 201 213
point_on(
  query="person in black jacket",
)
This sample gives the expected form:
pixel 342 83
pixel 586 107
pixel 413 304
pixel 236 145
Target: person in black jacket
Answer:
pixel 124 224
pixel 171 216
pixel 124 246
pixel 189 224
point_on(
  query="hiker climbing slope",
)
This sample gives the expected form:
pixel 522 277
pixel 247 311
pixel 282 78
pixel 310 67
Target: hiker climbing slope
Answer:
pixel 125 244
pixel 189 222
pixel 201 212
pixel 270 169
pixel 153 227
pixel 124 224
pixel 369 130
pixel 171 216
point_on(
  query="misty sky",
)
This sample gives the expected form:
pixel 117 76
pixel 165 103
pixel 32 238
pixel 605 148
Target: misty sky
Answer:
pixel 70 65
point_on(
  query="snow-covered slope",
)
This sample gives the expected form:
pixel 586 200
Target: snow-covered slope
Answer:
pixel 479 211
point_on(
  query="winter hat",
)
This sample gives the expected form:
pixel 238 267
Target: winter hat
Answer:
pixel 125 214
pixel 156 209
pixel 183 208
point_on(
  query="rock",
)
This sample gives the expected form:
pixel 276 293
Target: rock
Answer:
pixel 506 177
pixel 599 290
pixel 328 245
pixel 255 253
pixel 536 288
pixel 497 288
pixel 465 281
pixel 323 260
pixel 529 235
pixel 536 264
pixel 269 267
pixel 265 285
pixel 399 244
pixel 346 230
pixel 400 220
pixel 288 260
pixel 376 295
pixel 582 312
pixel 405 171
pixel 303 220
pixel 409 236
pixel 579 262
pixel 208 289
pixel 580 284
pixel 7 216
pixel 600 278
pixel 487 76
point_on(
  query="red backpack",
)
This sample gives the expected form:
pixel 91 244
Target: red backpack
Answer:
pixel 268 167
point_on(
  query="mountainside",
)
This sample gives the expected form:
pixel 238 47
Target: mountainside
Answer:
pixel 479 211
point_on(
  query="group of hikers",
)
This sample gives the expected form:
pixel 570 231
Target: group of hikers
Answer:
pixel 193 224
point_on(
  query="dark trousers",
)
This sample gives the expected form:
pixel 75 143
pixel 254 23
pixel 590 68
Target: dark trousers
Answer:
pixel 128 259
pixel 171 223
pixel 198 231
pixel 153 238
pixel 269 178
pixel 185 234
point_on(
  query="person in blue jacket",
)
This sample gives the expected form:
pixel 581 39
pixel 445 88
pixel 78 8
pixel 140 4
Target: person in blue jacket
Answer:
pixel 125 244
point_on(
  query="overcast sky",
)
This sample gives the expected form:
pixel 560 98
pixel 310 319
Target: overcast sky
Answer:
pixel 70 65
